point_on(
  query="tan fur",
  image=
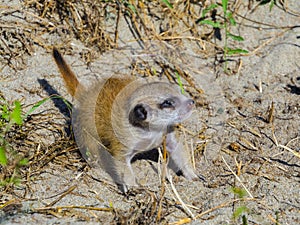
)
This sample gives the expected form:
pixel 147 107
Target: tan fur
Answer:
pixel 70 79
pixel 103 112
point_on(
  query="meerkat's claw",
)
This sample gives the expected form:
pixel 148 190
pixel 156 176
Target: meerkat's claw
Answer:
pixel 189 174
pixel 123 188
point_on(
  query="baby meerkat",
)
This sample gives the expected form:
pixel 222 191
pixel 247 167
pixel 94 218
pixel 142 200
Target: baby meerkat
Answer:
pixel 123 116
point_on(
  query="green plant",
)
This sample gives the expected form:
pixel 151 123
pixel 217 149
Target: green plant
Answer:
pixel 179 82
pixel 167 3
pixel 11 119
pixel 242 210
pixel 264 2
pixel 10 161
pixel 225 23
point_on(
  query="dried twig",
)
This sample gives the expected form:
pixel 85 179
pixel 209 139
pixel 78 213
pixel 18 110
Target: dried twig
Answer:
pixel 237 177
pixel 184 206
pixel 163 178
pixel 68 191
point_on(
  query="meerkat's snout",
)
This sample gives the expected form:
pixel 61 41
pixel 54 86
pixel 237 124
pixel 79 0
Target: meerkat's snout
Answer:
pixel 191 103
pixel 186 110
pixel 188 104
pixel 177 108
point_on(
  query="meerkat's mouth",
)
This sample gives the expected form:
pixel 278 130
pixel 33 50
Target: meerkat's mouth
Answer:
pixel 184 116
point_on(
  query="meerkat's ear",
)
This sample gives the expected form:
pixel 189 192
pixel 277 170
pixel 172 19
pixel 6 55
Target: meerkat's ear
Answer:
pixel 138 116
pixel 139 112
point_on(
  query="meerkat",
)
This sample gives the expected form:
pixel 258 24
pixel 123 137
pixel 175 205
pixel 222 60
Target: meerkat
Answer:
pixel 116 119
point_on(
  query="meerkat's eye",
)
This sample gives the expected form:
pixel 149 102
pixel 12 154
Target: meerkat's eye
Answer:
pixel 168 103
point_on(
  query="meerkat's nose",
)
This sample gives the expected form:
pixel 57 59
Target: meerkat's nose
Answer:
pixel 191 102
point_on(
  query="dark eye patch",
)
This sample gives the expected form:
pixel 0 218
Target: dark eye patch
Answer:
pixel 168 103
pixel 138 116
pixel 139 112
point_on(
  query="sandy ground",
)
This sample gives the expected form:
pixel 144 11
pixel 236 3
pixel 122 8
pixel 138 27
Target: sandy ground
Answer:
pixel 235 142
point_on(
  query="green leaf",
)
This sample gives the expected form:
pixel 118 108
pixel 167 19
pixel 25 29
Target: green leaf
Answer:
pixel 168 3
pixel 239 211
pixel 33 108
pixel 3 159
pixel 231 19
pixel 272 5
pixel 211 23
pixel 15 180
pixel 235 37
pixel 39 103
pixel 154 71
pixel 5 113
pixel 236 51
pixel 130 6
pixel 179 82
pixel 209 8
pixel 23 162
pixel 238 191
pixel 16 114
pixel 224 5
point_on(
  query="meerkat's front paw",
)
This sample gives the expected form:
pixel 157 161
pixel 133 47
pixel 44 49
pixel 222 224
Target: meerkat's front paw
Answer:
pixel 130 180
pixel 123 188
pixel 189 173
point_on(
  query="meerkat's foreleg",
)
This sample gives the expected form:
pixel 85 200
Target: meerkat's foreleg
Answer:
pixel 130 177
pixel 179 157
pixel 126 173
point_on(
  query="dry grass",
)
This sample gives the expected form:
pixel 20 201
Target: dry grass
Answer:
pixel 93 27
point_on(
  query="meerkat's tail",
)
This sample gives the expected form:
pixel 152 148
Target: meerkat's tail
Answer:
pixel 69 77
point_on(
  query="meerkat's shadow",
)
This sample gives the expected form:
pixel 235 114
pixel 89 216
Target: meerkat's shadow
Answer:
pixel 58 103
pixel 151 156
pixel 294 89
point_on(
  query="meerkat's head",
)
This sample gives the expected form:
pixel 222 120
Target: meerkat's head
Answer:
pixel 158 106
